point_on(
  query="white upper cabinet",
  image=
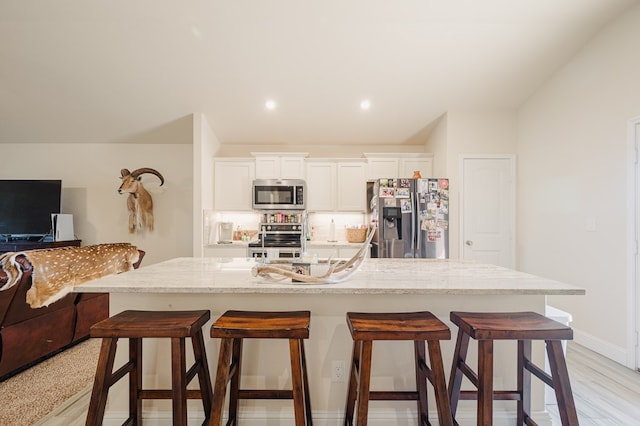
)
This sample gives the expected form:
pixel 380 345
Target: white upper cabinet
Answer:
pixel 351 189
pixel 233 178
pixel 280 165
pixel 382 168
pixel 336 185
pixel 321 185
pixel 398 165
pixel 407 166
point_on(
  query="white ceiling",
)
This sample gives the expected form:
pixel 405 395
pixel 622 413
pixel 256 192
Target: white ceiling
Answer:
pixel 111 70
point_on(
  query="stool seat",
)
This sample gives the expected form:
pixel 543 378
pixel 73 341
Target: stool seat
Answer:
pixel 397 326
pixel 524 327
pixel 510 326
pixel 233 327
pixel 135 326
pixel 418 327
pixel 141 324
pixel 263 325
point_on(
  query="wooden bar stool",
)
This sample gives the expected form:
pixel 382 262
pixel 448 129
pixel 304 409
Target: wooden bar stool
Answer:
pixel 136 325
pixel 234 326
pixel 523 327
pixel 416 326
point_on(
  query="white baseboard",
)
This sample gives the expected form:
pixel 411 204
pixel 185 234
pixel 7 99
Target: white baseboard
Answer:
pixel 604 348
pixel 387 417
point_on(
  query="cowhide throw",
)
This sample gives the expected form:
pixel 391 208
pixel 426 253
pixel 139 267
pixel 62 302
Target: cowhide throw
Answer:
pixel 57 270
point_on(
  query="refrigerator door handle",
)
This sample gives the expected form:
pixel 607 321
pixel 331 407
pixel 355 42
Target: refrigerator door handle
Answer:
pixel 413 223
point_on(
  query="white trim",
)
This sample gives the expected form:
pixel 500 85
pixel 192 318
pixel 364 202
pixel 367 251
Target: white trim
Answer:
pixel 615 353
pixel 633 210
pixel 512 159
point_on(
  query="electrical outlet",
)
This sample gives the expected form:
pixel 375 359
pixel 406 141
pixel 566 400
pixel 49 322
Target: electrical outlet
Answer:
pixel 338 373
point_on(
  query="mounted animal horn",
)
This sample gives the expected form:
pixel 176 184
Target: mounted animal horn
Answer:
pixel 136 173
pixel 139 202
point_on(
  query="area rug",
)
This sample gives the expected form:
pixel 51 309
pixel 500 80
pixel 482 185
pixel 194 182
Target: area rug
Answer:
pixel 34 393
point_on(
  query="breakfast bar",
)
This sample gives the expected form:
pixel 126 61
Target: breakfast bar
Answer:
pixel 381 285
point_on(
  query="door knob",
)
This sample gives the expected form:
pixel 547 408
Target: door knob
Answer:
pixel 469 243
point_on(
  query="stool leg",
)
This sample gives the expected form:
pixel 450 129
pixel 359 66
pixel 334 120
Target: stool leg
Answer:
pixel 305 382
pixel 354 373
pixel 455 378
pixel 524 381
pixel 297 384
pixel 101 383
pixel 204 377
pixel 222 377
pixel 438 381
pixel 179 381
pixel 135 380
pixel 234 388
pixel 421 381
pixel 561 384
pixel 485 382
pixel 365 380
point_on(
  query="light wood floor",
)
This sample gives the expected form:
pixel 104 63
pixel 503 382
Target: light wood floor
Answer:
pixel 605 392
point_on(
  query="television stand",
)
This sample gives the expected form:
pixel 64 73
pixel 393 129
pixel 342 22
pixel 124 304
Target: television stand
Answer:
pixel 22 245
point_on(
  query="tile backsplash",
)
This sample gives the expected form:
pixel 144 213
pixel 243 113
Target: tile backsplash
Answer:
pixel 320 223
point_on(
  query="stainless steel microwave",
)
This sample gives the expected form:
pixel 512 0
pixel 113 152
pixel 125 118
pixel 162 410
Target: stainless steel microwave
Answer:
pixel 279 194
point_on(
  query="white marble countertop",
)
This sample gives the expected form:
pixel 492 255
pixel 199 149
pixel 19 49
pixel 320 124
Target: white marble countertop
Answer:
pixel 312 243
pixel 377 276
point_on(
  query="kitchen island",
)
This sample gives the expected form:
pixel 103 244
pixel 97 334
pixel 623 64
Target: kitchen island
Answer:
pixel 382 285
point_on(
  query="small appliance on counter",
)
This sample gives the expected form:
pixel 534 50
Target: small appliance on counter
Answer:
pixel 225 232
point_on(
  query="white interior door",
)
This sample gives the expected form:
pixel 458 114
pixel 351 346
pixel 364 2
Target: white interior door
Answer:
pixel 488 209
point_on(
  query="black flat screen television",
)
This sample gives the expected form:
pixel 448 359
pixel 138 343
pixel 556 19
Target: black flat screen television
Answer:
pixel 26 207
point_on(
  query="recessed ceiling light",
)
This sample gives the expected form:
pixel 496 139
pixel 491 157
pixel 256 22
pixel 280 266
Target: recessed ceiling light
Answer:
pixel 270 104
pixel 365 104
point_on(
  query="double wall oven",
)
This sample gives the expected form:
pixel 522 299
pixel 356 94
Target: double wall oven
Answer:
pixel 283 217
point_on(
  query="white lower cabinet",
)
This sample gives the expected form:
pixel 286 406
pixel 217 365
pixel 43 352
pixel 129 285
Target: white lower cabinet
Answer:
pixel 225 250
pixel 325 252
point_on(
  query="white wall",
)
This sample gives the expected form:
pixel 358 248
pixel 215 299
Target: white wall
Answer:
pixel 469 132
pixel 572 148
pixel 205 145
pixel 90 176
pixel 320 151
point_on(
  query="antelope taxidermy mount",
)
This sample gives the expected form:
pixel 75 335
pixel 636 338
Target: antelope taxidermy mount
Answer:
pixel 139 202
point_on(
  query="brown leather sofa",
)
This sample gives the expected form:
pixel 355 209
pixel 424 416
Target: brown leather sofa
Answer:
pixel 28 336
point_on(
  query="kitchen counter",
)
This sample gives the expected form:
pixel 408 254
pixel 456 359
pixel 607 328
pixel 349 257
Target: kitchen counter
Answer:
pixel 377 276
pixel 310 244
pixel 382 285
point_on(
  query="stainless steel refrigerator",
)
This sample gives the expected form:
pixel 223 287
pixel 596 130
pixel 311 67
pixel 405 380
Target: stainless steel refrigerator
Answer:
pixel 412 217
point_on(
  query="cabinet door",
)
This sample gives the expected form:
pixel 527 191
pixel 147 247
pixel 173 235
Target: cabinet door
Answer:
pixel 409 165
pixel 324 252
pixel 279 168
pixel 348 252
pixel 267 167
pixel 232 186
pixel 351 187
pixel 382 168
pixel 321 186
pixel 238 251
pixel 292 168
